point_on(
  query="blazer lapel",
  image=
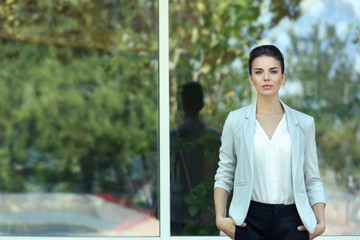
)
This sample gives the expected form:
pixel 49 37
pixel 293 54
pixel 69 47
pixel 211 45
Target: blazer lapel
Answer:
pixel 249 129
pixel 294 131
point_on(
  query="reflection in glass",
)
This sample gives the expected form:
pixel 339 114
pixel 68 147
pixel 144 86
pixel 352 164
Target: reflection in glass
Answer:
pixel 78 151
pixel 320 40
pixel 323 79
pixel 194 149
pixel 209 43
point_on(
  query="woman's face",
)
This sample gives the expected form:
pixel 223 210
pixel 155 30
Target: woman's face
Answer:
pixel 266 76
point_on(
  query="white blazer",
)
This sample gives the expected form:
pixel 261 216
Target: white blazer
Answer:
pixel 236 165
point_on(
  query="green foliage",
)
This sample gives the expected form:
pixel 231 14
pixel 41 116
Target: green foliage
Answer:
pixel 106 24
pixel 69 106
pixel 331 87
pixel 77 104
pixel 200 207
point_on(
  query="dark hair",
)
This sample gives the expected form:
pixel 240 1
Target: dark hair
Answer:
pixel 192 97
pixel 267 50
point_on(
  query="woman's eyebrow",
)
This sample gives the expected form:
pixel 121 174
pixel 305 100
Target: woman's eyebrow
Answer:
pixel 274 68
pixel 263 69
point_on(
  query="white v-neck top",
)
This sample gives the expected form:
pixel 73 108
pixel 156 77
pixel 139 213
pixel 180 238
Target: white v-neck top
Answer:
pixel 272 167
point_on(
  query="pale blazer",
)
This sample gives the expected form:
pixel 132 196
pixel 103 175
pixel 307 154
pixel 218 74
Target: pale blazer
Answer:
pixel 236 164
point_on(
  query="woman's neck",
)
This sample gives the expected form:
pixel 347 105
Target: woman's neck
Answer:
pixel 269 106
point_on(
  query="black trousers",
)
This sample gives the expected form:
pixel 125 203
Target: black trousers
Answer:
pixel 271 222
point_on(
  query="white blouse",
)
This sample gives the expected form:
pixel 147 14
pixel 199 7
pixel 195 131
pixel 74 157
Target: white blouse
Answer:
pixel 272 174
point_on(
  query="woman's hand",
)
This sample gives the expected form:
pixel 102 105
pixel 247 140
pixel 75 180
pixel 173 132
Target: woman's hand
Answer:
pixel 227 225
pixel 320 228
pixel 319 210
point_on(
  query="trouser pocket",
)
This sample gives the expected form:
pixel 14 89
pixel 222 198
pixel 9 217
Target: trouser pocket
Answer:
pixel 240 233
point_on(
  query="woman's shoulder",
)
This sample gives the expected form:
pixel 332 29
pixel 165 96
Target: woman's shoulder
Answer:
pixel 301 117
pixel 236 117
pixel 242 111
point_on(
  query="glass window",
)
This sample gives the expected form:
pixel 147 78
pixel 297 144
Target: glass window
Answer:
pixel 79 118
pixel 79 108
pixel 209 47
pixel 210 42
pixel 322 55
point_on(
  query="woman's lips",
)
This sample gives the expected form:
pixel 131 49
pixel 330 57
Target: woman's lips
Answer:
pixel 267 86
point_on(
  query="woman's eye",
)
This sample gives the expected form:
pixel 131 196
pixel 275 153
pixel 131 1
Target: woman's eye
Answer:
pixel 274 72
pixel 257 72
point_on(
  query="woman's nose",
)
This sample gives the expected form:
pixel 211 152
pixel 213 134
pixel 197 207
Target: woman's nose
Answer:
pixel 266 77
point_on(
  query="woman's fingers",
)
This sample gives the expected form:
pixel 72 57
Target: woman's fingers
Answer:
pixel 301 228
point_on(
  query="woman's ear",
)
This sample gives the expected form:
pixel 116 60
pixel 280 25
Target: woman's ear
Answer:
pixel 283 78
pixel 250 79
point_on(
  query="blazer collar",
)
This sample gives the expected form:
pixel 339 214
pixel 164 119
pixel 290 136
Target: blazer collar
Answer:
pixel 249 129
pixel 251 112
pixel 289 113
pixel 296 139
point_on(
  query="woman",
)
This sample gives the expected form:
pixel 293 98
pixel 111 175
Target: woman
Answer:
pixel 268 157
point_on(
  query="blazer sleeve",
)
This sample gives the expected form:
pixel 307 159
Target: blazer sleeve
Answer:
pixel 313 182
pixel 224 177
